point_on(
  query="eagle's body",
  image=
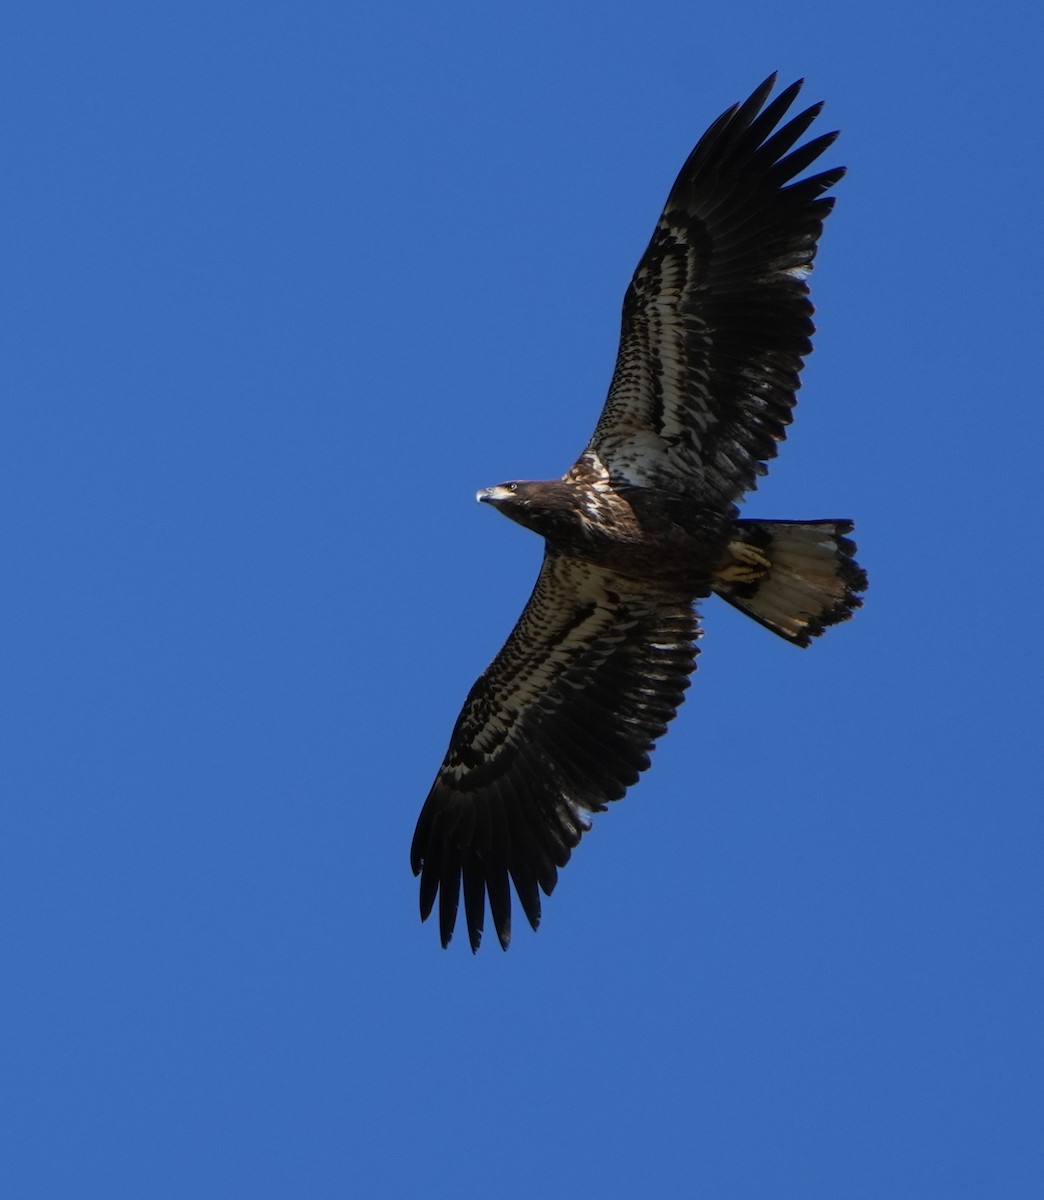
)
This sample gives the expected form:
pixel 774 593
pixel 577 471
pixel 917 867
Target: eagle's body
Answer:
pixel 647 537
pixel 716 323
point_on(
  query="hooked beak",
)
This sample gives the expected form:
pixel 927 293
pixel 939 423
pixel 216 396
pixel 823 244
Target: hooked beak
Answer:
pixel 493 495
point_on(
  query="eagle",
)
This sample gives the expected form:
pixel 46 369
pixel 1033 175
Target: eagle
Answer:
pixel 716 325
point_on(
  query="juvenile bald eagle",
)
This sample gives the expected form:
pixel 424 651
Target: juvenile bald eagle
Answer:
pixel 716 324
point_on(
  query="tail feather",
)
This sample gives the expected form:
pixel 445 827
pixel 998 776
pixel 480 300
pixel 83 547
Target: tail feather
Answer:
pixel 794 577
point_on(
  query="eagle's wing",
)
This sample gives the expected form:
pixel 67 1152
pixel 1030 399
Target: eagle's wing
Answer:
pixel 717 319
pixel 561 722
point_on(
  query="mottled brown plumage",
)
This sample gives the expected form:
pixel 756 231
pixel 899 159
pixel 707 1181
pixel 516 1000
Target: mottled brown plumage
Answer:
pixel 716 323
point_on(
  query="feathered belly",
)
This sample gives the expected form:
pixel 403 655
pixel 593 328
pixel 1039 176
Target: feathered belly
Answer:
pixel 675 561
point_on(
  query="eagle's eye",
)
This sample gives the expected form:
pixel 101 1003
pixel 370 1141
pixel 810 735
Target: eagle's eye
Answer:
pixel 512 487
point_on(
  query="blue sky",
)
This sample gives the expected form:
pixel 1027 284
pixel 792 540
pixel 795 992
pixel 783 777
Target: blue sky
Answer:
pixel 283 285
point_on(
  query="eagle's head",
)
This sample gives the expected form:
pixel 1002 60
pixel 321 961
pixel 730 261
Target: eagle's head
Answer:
pixel 544 505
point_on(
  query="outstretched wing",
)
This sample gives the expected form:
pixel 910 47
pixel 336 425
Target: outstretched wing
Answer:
pixel 717 320
pixel 561 723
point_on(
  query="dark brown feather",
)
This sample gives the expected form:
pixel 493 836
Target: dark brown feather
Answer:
pixel 716 321
pixel 566 715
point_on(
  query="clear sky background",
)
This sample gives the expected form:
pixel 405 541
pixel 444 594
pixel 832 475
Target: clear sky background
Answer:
pixel 283 284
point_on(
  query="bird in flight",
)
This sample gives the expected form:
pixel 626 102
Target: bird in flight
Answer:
pixel 716 325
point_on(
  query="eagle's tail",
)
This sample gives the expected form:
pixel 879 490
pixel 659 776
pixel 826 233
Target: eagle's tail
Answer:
pixel 793 577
